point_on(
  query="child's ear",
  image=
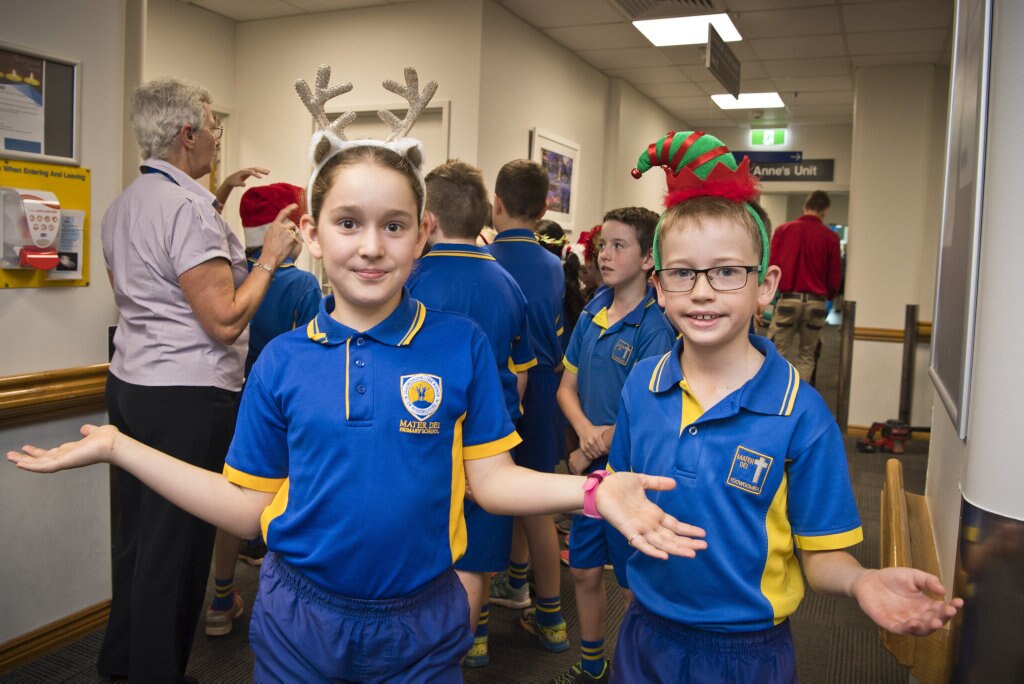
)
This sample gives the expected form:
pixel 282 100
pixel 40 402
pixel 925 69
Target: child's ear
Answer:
pixel 431 225
pixel 766 290
pixel 648 262
pixel 424 232
pixel 307 228
pixel 658 291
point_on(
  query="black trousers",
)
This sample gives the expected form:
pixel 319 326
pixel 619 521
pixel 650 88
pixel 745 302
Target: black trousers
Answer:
pixel 160 555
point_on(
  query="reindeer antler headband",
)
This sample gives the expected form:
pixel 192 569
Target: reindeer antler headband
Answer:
pixel 329 139
pixel 697 164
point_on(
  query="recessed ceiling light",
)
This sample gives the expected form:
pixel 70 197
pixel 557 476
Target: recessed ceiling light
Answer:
pixel 749 101
pixel 687 30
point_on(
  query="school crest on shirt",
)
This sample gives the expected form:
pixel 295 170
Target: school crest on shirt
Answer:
pixel 421 395
pixel 749 470
pixel 622 351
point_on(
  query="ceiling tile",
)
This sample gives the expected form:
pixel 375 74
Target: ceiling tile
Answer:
pixel 597 36
pixel 843 97
pixel 624 58
pixel 749 5
pixel 547 14
pixel 803 48
pixel 669 74
pixel 897 15
pixel 908 58
pixel 244 10
pixel 814 84
pixel 754 85
pixel 820 109
pixel 692 103
pixel 828 66
pixel 889 42
pixel 790 22
pixel 752 69
pixel 684 54
pixel 332 5
pixel 656 90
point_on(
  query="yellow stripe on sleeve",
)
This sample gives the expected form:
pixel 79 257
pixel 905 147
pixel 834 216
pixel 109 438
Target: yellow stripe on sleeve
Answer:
pixel 569 367
pixel 488 449
pixel 253 482
pixel 830 542
pixel 519 368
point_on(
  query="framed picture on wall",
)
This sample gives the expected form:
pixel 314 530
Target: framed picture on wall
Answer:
pixel 560 158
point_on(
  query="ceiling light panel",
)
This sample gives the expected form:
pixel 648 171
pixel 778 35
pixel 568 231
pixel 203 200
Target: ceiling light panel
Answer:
pixel 687 30
pixel 749 101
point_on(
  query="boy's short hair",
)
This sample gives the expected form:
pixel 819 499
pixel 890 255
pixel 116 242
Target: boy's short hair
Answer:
pixel 523 186
pixel 457 196
pixel 698 209
pixel 818 201
pixel 642 220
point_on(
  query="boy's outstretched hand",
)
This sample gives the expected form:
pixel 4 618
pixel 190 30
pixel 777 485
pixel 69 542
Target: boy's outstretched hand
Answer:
pixel 97 447
pixel 622 501
pixel 898 600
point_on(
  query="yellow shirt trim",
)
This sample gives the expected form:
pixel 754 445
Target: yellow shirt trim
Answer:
pixel 569 367
pixel 275 509
pixel 489 449
pixel 253 482
pixel 781 580
pixel 523 366
pixel 457 535
pixel 830 542
pixel 691 408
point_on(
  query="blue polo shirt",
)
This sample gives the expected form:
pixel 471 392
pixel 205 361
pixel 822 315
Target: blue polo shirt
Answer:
pixel 292 301
pixel 363 435
pixel 602 355
pixel 539 273
pixel 466 279
pixel 764 471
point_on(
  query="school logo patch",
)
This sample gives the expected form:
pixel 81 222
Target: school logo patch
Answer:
pixel 749 470
pixel 421 394
pixel 622 351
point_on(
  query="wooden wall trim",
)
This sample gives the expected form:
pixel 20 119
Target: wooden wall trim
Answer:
pixel 924 334
pixel 28 397
pixel 49 638
pixel 862 431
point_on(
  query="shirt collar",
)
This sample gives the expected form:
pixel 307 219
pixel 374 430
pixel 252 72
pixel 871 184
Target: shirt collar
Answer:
pixel 449 249
pixel 181 178
pixel 771 391
pixel 516 235
pixel 604 298
pixel 397 330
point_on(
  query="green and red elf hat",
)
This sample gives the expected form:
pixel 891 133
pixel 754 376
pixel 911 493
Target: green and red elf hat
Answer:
pixel 697 165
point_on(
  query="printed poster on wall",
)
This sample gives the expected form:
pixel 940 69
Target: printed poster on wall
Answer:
pixel 21 103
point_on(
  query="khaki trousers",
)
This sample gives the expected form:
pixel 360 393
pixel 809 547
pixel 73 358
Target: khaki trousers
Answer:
pixel 796 329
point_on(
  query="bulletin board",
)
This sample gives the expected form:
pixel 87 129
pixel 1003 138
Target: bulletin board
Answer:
pixel 72 186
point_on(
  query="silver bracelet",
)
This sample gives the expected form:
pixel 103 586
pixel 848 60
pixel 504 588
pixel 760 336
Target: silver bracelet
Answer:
pixel 268 269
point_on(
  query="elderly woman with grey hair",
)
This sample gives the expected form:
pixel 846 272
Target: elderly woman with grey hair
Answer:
pixel 184 297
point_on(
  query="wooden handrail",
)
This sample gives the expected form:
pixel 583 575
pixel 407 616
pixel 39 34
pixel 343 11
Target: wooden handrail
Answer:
pixel 31 396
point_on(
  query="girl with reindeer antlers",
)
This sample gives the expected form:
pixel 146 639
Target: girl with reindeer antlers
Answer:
pixel 358 435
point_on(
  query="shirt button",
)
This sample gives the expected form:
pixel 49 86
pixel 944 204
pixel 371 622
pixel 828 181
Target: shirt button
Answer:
pixel 360 363
pixel 692 430
pixel 360 341
pixel 361 389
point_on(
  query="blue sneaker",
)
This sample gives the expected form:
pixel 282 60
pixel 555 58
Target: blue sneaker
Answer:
pixel 554 638
pixel 503 594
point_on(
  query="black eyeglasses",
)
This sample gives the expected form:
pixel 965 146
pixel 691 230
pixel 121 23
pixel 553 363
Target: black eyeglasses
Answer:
pixel 720 278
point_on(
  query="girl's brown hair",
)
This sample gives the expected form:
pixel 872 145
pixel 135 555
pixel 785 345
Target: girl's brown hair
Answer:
pixel 373 154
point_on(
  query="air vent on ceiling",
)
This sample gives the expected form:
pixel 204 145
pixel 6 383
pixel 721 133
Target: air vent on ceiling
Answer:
pixel 660 9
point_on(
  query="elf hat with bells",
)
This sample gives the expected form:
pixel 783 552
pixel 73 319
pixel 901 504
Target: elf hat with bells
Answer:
pixel 696 165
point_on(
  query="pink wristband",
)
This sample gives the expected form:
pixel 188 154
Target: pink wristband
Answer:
pixel 590 493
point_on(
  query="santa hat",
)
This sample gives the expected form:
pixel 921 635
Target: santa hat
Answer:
pixel 261 205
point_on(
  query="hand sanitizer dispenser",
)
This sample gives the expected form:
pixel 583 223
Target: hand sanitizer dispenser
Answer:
pixel 29 226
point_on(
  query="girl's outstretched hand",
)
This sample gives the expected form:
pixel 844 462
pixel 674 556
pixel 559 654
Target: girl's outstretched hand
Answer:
pixel 622 501
pixel 96 447
pixel 900 600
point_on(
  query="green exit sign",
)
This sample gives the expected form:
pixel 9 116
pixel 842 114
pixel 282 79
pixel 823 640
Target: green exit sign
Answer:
pixel 768 136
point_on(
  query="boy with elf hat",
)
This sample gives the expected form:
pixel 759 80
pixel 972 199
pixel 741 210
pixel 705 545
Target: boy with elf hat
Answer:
pixel 757 458
pixel 292 300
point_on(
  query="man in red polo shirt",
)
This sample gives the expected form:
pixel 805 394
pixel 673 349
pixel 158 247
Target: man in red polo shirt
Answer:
pixel 807 251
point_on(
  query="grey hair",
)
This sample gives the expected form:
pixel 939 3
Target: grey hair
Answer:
pixel 160 108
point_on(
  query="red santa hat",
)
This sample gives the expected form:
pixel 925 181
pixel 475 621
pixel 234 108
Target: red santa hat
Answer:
pixel 261 205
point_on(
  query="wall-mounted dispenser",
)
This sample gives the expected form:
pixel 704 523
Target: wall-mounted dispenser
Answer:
pixel 29 227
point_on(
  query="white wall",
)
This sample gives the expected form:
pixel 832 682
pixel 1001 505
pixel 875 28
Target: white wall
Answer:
pixel 894 210
pixel 59 562
pixel 62 327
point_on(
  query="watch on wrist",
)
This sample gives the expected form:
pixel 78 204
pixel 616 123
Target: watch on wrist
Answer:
pixel 590 493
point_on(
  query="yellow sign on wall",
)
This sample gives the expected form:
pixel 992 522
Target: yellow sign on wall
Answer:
pixel 71 185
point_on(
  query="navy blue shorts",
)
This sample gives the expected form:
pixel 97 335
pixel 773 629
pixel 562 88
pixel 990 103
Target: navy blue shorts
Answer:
pixel 653 649
pixel 302 632
pixel 542 426
pixel 488 540
pixel 593 543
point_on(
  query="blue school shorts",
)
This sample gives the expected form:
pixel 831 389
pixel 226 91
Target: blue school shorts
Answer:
pixel 302 632
pixel 653 649
pixel 593 543
pixel 488 540
pixel 542 426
